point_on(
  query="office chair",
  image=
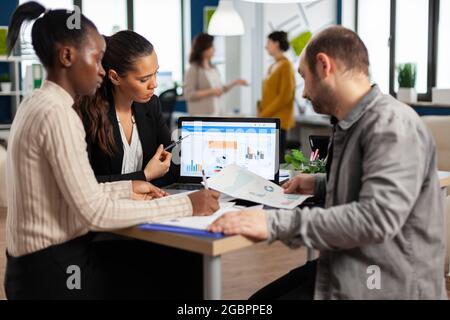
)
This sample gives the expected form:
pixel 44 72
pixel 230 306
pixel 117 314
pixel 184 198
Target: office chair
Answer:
pixel 168 101
pixel 321 143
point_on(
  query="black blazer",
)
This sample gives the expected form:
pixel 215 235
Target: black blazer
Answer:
pixel 153 131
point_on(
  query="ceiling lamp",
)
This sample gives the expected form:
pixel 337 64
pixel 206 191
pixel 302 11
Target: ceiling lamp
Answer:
pixel 226 21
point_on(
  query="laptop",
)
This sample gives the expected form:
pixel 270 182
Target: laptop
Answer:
pixel 212 143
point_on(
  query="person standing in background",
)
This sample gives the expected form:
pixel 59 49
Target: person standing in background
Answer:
pixel 279 87
pixel 203 86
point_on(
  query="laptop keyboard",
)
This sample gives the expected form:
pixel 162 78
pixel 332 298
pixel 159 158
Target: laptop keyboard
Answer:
pixel 185 186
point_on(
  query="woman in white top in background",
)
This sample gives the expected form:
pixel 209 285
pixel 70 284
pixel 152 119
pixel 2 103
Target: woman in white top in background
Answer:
pixel 203 86
pixel 54 200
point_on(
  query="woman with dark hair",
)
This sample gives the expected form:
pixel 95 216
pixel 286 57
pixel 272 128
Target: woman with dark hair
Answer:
pixel 203 86
pixel 125 128
pixel 279 87
pixel 54 200
pixel 125 137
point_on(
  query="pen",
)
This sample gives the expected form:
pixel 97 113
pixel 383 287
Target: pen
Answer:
pixel 175 143
pixel 204 179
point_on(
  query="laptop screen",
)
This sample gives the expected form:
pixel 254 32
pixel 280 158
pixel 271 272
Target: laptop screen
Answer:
pixel 213 144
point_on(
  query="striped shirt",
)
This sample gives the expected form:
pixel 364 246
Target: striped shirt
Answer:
pixel 53 195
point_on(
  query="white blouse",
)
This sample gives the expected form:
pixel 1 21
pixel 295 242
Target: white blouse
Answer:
pixel 132 153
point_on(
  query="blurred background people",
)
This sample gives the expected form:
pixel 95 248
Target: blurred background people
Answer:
pixel 203 86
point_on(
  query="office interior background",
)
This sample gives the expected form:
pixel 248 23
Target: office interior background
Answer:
pixel 395 32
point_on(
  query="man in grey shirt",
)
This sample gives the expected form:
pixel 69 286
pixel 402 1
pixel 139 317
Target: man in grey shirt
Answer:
pixel 381 233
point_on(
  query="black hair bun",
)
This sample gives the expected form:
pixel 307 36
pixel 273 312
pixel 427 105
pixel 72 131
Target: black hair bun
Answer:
pixel 282 38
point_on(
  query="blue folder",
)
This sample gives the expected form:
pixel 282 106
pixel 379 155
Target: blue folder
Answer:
pixel 188 231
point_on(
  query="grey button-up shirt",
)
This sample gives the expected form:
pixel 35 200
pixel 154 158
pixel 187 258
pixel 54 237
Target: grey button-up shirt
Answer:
pixel 381 233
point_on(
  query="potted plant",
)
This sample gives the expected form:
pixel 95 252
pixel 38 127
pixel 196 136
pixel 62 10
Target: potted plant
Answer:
pixel 407 73
pixel 297 163
pixel 5 82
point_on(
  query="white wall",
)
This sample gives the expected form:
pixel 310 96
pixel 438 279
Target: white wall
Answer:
pixel 232 72
pixel 250 54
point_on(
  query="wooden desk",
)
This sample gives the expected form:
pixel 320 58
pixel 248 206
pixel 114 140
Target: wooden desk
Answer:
pixel 212 249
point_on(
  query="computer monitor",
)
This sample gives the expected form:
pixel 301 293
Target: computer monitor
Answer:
pixel 214 143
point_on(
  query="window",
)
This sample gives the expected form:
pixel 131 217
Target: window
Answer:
pixel 160 22
pixel 26 47
pixel 418 33
pixel 412 38
pixel 374 30
pixel 443 69
pixel 109 16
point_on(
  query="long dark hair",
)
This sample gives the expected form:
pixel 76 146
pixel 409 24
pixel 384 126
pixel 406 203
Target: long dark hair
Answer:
pixel 49 29
pixel 200 44
pixel 122 51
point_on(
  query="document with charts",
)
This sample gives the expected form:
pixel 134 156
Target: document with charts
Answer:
pixel 200 223
pixel 241 183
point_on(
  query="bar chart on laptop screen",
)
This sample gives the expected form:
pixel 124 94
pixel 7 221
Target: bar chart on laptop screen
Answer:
pixel 212 146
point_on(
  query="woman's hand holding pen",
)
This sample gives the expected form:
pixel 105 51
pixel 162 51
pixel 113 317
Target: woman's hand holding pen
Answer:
pixel 159 165
pixel 204 202
pixel 143 190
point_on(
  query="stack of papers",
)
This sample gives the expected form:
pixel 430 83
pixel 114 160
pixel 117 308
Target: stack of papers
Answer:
pixel 200 223
pixel 193 225
pixel 243 184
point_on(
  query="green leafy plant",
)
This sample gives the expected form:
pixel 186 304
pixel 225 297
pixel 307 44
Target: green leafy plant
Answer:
pixel 4 77
pixel 296 160
pixel 407 73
